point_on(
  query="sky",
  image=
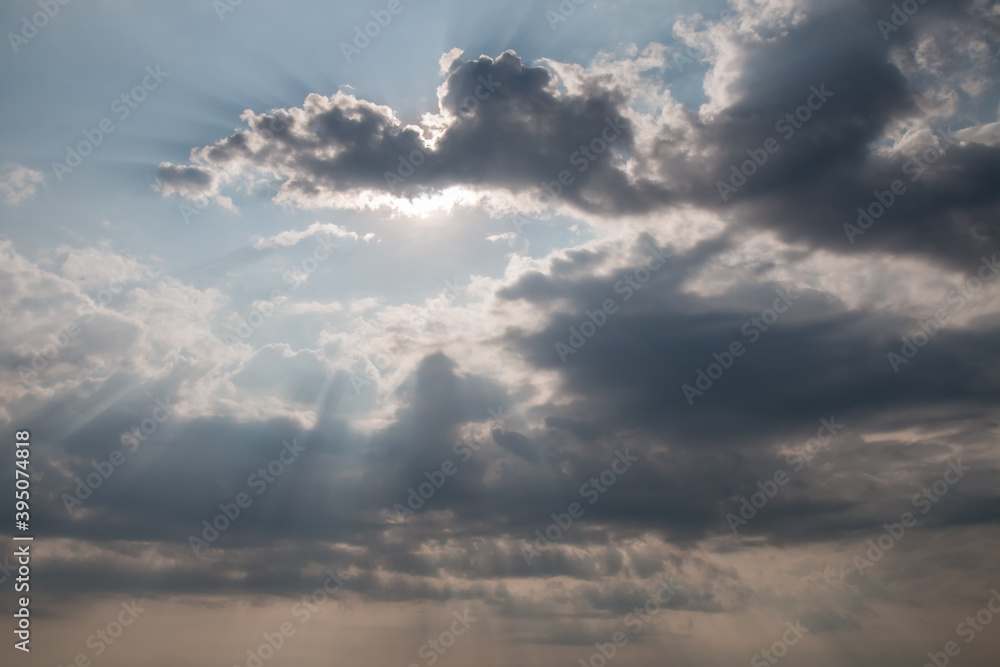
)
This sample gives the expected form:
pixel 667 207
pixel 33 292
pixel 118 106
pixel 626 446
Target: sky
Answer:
pixel 409 333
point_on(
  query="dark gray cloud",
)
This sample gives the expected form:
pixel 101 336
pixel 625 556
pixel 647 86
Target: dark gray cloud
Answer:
pixel 821 360
pixel 509 127
pixel 513 127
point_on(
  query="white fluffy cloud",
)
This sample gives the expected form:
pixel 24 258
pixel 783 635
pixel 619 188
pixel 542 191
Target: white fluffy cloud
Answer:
pixel 19 184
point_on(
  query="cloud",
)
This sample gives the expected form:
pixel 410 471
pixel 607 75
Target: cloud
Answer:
pixel 18 184
pixel 505 131
pixel 448 60
pixel 190 182
pixel 389 376
pixel 621 391
pixel 293 237
pixel 500 125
